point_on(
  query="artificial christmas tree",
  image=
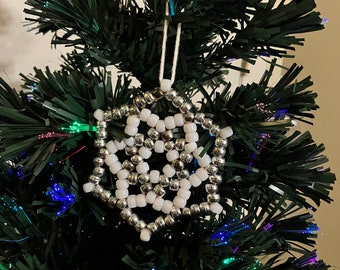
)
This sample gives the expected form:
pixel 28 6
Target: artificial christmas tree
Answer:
pixel 186 173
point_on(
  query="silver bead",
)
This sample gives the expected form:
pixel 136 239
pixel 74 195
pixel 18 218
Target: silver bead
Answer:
pixel 149 98
pixel 178 101
pixel 179 144
pixel 213 198
pixel 159 190
pixel 126 213
pixel 121 204
pixel 160 222
pixel 97 190
pixel 145 188
pixel 178 165
pixel 101 133
pixel 195 209
pixel 183 174
pixel 139 139
pixel 97 161
pixel 167 135
pixel 108 115
pixel 185 107
pixel 207 123
pixel 134 110
pixel 215 179
pixel 186 211
pixel 218 161
pixel 153 134
pixel 171 95
pixel 211 188
pixel 124 110
pixel 214 130
pixel 211 169
pixel 128 165
pixel 116 114
pixel 204 208
pixel 186 157
pixel 157 93
pixel 140 225
pixel 133 220
pixel 174 185
pixel 221 142
pixel 149 143
pixel 140 102
pixel 133 178
pixel 103 152
pixel 169 145
pixel 175 212
pixel 152 226
pixel 219 151
pixel 189 117
pixel 169 220
pixel 101 124
pixel 131 150
pixel 94 179
pixel 111 202
pixel 144 178
pixel 136 159
pixel 199 118
pixel 99 143
pixel 164 181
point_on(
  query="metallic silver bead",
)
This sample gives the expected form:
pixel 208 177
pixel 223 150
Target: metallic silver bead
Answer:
pixel 174 185
pixel 111 202
pixel 153 134
pixel 128 165
pixel 103 152
pixel 221 142
pixel 189 117
pixel 148 97
pixel 139 139
pixel 136 159
pixel 134 110
pixel 207 123
pixel 211 188
pixel 169 145
pixel 186 211
pixel 157 93
pixel 121 204
pixel 140 101
pixel 131 150
pixel 178 165
pixel 211 169
pixel 160 222
pixel 126 213
pixel 195 209
pixel 108 115
pixel 215 179
pixel 179 144
pixel 99 143
pixel 185 107
pixel 186 157
pixel 97 190
pixel 101 124
pixel 167 135
pixel 144 178
pixel 94 179
pixel 204 208
pixel 149 143
pixel 183 174
pixel 97 161
pixel 169 220
pixel 116 114
pixel 152 226
pixel 164 181
pixel 124 110
pixel 145 188
pixel 178 101
pixel 213 198
pixel 175 212
pixel 214 130
pixel 133 220
pixel 199 118
pixel 101 133
pixel 140 225
pixel 159 190
pixel 133 178
pixel 171 95
pixel 218 161
pixel 219 151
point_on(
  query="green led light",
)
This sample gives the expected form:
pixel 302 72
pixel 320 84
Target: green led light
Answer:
pixel 228 261
pixel 77 127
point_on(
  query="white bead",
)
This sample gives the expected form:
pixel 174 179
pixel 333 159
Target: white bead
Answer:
pixel 166 207
pixel 130 130
pixel 122 184
pixel 130 141
pixel 152 120
pixel 169 122
pixel 140 199
pixel 185 183
pixel 133 121
pixel 122 193
pixel 191 137
pixel 159 146
pixel 190 127
pixel 204 161
pixel 144 152
pixel 195 181
pixel 111 147
pixel 202 174
pixel 115 167
pixel 179 202
pixel 123 174
pixel 198 152
pixel 216 208
pixel 131 201
pixel 160 126
pixel 179 119
pixel 110 159
pixel 88 187
pixel 154 176
pixel 172 155
pixel 226 132
pixel 157 204
pixel 145 235
pixel 142 167
pixel 169 171
pixel 190 147
pixel 120 145
pixel 99 115
pixel 165 85
pixel 144 114
pixel 184 193
pixel 150 197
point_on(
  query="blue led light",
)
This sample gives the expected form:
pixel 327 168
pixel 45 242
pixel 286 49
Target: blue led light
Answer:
pixel 58 194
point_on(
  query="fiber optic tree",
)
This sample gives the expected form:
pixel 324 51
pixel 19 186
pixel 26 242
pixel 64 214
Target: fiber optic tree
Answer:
pixel 115 171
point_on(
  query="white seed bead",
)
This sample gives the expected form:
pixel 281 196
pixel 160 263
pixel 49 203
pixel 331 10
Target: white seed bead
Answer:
pixel 159 146
pixel 115 167
pixel 216 208
pixel 160 126
pixel 110 159
pixel 165 85
pixel 202 174
pixel 88 187
pixel 195 181
pixel 123 174
pixel 130 130
pixel 179 202
pixel 166 207
pixel 185 183
pixel 145 235
pixel 169 171
pixel 142 167
pixel 184 193
pixel 120 145
pixel 204 161
pixel 130 141
pixel 144 152
pixel 198 152
pixel 169 122
pixel 111 147
pixel 190 147
pixel 133 121
pixel 179 119
pixel 122 193
pixel 191 137
pixel 122 184
pixel 144 114
pixel 99 115
pixel 190 127
pixel 140 199
pixel 157 204
pixel 150 197
pixel 226 132
pixel 131 201
pixel 154 176
pixel 152 120
pixel 172 155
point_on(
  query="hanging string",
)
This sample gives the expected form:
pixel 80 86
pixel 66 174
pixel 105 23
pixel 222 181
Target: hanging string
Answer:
pixel 176 50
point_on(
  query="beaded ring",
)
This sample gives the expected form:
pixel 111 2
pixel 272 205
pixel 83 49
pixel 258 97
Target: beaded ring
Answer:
pixel 174 177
